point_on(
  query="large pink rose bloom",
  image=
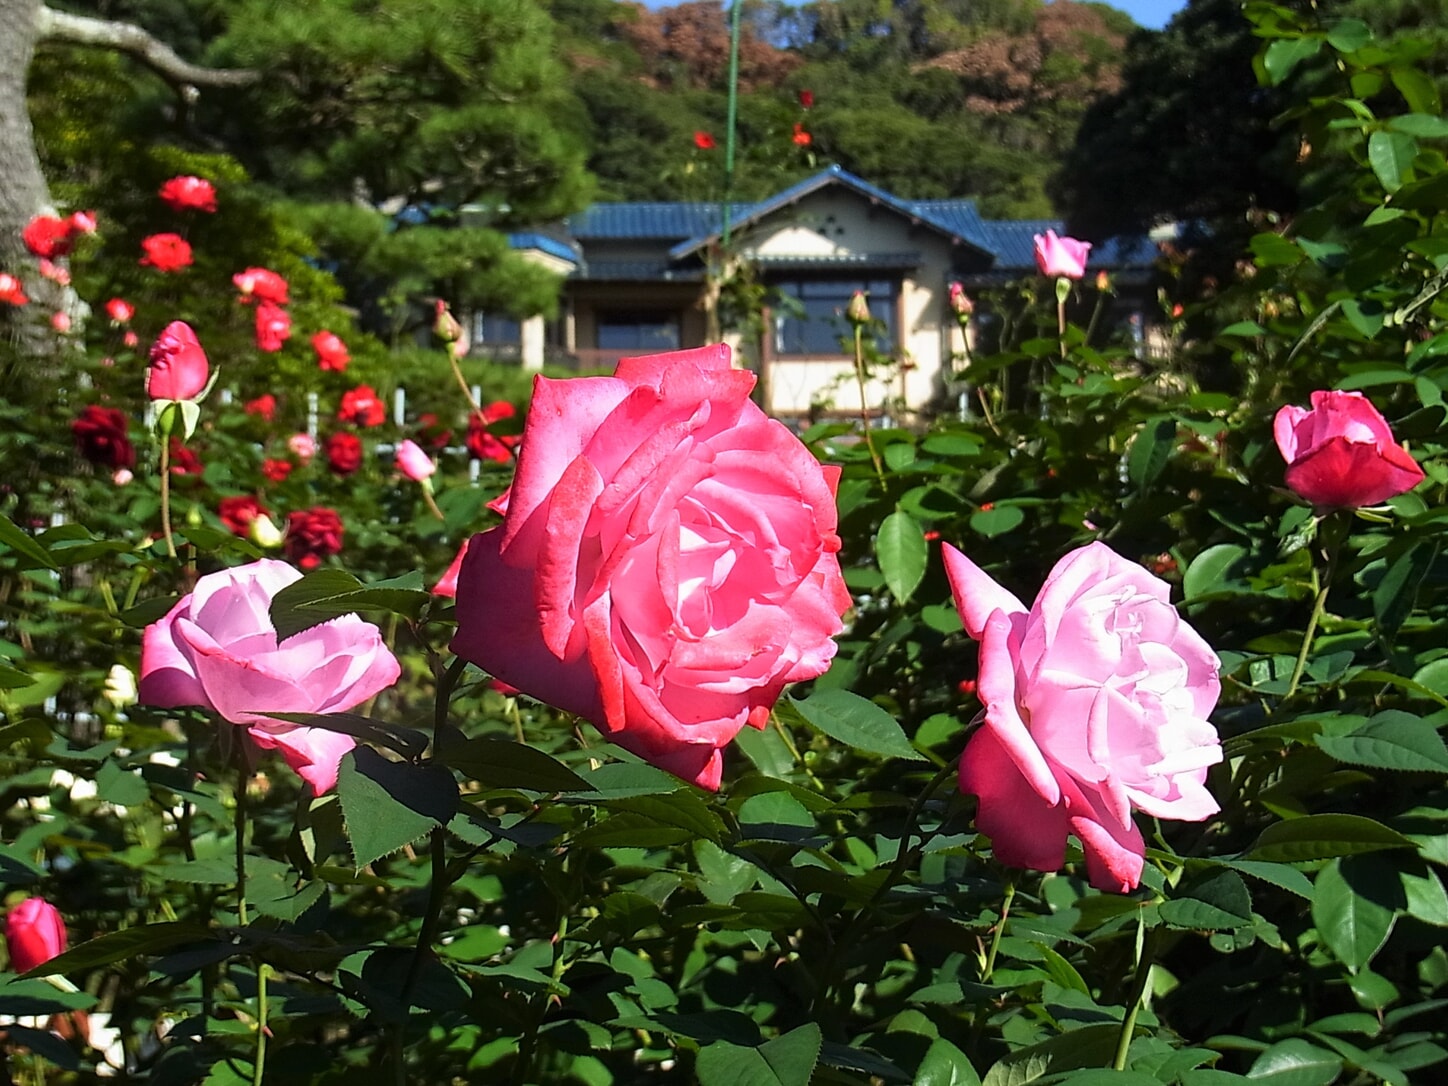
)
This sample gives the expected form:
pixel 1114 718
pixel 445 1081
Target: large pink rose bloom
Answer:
pixel 217 648
pixel 1341 454
pixel 179 369
pixel 666 564
pixel 1096 703
pixel 1060 257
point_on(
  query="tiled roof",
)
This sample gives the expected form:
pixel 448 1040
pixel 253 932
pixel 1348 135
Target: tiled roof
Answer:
pixel 544 244
pixel 664 221
pixel 835 175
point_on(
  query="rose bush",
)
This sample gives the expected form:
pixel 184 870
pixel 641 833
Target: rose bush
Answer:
pixel 1096 703
pixel 217 649
pixel 679 551
pixel 1340 453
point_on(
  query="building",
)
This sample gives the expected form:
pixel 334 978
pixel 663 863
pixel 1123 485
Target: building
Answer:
pixel 638 281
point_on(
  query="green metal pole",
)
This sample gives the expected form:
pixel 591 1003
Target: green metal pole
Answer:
pixel 734 14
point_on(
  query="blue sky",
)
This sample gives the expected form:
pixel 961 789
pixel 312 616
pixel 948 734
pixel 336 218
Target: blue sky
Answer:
pixel 1152 13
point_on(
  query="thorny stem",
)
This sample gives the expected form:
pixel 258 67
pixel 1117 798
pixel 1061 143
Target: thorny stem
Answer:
pixel 258 1074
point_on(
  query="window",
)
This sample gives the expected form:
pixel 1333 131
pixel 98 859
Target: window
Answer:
pixel 495 328
pixel 632 331
pixel 811 315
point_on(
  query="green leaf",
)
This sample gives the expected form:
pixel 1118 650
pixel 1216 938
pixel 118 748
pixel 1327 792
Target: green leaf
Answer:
pixel 788 1060
pixel 1090 1046
pixel 1397 592
pixel 13 679
pixel 1273 250
pixel 1390 740
pixel 683 809
pixel 1220 902
pixel 1295 1062
pixel 1150 451
pixel 327 593
pixel 1285 54
pixel 37 997
pixel 857 722
pixel 23 544
pixel 945 1065
pixel 123 787
pixel 1391 155
pixel 997 520
pixel 1288 878
pixel 502 763
pixel 1365 315
pixel 1323 837
pixel 130 943
pixel 1354 903
pixel 1349 35
pixel 1213 570
pixel 387 805
pixel 408 742
pixel 1418 90
pixel 901 551
pixel 1419 125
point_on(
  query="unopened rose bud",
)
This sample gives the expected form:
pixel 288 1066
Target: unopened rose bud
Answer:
pixel 1103 282
pixel 264 533
pixel 960 301
pixel 60 322
pixel 446 326
pixel 83 222
pixel 858 311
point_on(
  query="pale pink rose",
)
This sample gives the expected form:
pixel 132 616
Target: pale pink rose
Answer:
pixel 667 563
pixel 1341 454
pixel 413 462
pixel 303 446
pixel 217 649
pixel 1096 703
pixel 1059 257
pixel 60 321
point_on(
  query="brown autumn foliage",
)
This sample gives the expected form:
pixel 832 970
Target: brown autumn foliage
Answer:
pixel 687 46
pixel 1069 55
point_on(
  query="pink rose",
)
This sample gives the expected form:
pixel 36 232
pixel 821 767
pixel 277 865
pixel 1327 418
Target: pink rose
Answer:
pixel 261 283
pixel 303 446
pixel 179 369
pixel 1096 702
pixel 217 648
pixel 678 549
pixel 447 585
pixel 1059 257
pixel 34 933
pixel 273 327
pixel 1341 454
pixel 413 462
pixel 331 351
pixel 120 310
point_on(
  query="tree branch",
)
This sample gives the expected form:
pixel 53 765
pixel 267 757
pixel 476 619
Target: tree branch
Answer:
pixel 52 25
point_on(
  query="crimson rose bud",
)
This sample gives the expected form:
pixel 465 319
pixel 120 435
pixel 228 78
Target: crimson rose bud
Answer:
pixel 178 369
pixel 1340 453
pixel 34 933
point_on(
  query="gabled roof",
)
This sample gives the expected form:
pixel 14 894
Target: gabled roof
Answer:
pixel 646 221
pixel 957 225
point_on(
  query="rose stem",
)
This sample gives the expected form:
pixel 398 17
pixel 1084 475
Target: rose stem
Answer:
pixel 864 403
pixel 995 939
pixel 1138 990
pixel 1331 548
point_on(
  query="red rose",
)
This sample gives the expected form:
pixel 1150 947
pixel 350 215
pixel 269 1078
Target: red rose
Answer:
pixel 344 453
pixel 313 534
pixel 276 470
pixel 801 137
pixel 165 252
pixel 273 327
pixel 48 237
pixel 331 351
pixel 183 460
pixel 431 434
pixel 704 141
pixel 261 283
pixel 806 99
pixel 361 406
pixel 187 193
pixel 100 437
pixel 263 407
pixel 120 310
pixel 484 445
pixel 238 512
pixel 34 933
pixel 12 291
